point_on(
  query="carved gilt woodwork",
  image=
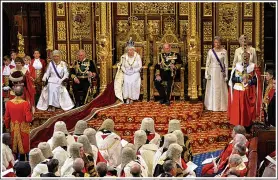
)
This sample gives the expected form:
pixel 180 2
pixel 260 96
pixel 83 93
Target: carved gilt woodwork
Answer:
pixel 60 9
pixel 248 9
pixel 122 8
pixel 207 9
pixel 207 30
pixel 63 49
pixel 20 38
pixel 228 20
pixel 80 21
pixel 169 22
pixel 73 51
pixel 61 31
pixel 248 29
pixel 89 50
pixel 49 26
pixel 183 8
pixel 153 8
pixel 153 29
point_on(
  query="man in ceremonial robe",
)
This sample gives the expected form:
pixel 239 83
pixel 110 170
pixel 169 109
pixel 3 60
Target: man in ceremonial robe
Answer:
pixel 84 73
pixel 245 93
pixel 165 70
pixel 18 115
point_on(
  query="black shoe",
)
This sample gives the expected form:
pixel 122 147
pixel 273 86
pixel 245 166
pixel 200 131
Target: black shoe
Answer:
pixel 162 101
pixel 167 103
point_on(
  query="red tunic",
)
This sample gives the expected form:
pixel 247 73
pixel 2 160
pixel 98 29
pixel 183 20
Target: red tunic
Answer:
pixel 245 106
pixel 17 118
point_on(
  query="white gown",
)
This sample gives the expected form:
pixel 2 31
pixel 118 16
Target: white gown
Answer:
pixel 216 97
pixel 55 94
pixel 131 67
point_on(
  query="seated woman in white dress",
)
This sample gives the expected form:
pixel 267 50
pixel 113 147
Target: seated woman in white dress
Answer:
pixel 54 94
pixel 128 80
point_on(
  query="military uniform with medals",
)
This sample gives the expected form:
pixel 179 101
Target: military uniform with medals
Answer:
pixel 80 70
pixel 163 69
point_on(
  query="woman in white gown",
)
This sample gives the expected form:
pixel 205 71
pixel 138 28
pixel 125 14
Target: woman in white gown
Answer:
pixel 130 66
pixel 243 41
pixel 54 94
pixel 216 97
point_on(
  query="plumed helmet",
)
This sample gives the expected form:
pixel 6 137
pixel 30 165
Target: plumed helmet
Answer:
pixel 74 150
pixel 83 139
pixel 35 157
pixel 61 126
pixel 140 138
pixel 58 139
pixel 107 124
pixel 180 137
pixel 174 152
pixel 128 155
pixel 45 149
pixel 61 155
pixel 147 124
pixel 174 124
pixel 91 134
pixel 80 127
pixel 169 139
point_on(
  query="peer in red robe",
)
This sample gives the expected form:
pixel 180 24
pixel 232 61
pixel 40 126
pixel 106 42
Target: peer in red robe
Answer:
pixel 245 93
pixel 17 118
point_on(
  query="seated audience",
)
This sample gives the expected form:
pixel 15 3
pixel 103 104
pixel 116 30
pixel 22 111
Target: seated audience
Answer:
pixel 22 169
pixel 7 154
pixel 109 143
pixel 46 150
pixel 79 129
pixel 170 169
pixel 147 125
pixel 135 170
pixel 78 166
pixel 52 165
pixel 37 162
pixel 236 167
pixel 102 169
pixel 61 126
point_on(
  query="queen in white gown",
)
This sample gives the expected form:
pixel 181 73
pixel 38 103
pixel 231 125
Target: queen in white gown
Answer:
pixel 128 76
pixel 216 97
pixel 54 94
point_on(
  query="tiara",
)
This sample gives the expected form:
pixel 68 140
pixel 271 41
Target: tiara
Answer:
pixel 130 43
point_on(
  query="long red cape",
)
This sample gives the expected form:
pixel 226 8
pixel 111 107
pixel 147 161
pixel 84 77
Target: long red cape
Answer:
pixel 45 131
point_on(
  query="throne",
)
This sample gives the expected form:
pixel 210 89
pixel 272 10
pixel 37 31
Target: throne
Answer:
pixel 141 48
pixel 178 47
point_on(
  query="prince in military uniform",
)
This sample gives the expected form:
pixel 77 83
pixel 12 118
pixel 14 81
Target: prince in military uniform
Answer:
pixel 165 71
pixel 82 73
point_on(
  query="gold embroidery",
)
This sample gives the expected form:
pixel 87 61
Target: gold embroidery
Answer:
pixel 25 127
pixel 17 100
pixel 17 141
pixel 269 87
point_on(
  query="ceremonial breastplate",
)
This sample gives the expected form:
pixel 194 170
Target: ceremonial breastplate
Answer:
pixel 167 59
pixel 82 68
